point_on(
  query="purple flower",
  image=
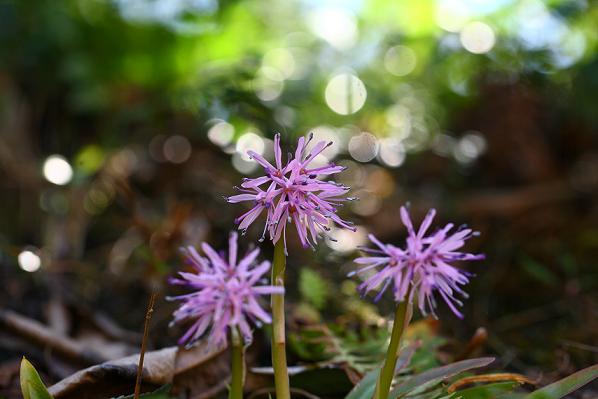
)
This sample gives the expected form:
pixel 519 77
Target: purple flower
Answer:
pixel 225 293
pixel 422 267
pixel 293 193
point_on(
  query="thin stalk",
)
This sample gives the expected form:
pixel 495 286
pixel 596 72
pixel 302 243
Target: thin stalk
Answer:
pixel 237 366
pixel 388 369
pixel 279 355
pixel 148 317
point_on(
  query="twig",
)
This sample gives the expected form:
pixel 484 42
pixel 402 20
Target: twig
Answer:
pixel 478 339
pixel 35 332
pixel 518 200
pixel 530 316
pixel 148 317
pixel 112 330
pixel 579 345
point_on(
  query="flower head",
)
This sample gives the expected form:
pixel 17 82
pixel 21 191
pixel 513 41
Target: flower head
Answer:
pixel 293 192
pixel 422 266
pixel 225 293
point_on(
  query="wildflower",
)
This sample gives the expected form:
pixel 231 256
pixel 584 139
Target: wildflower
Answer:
pixel 225 293
pixel 422 267
pixel 292 192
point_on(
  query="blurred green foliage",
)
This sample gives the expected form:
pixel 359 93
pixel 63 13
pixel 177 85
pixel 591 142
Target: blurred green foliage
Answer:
pixel 313 288
pixel 206 57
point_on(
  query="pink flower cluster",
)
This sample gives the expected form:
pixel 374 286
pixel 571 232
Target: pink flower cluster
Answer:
pixel 421 267
pixel 225 293
pixel 292 192
pixel 226 290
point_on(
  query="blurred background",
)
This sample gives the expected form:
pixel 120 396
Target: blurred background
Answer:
pixel 123 124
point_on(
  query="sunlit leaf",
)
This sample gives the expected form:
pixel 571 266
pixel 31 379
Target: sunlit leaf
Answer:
pixel 431 377
pixel 488 391
pixel 32 386
pixel 365 388
pixel 567 385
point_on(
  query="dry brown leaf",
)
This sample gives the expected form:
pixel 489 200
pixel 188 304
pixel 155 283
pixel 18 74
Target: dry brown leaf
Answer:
pixel 207 364
pixel 496 377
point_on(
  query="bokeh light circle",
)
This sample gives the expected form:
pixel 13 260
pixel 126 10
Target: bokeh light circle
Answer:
pixel 392 152
pixel 452 15
pixel 342 240
pixel 345 94
pixel 268 84
pixel 57 170
pixel 328 134
pixel 281 60
pixel 477 37
pixel 469 147
pixel 363 147
pixel 336 26
pixel 29 261
pixel 249 141
pixel 177 149
pixel 243 165
pixel 400 60
pixel 221 133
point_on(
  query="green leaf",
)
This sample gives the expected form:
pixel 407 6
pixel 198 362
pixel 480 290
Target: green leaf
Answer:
pixel 160 393
pixel 436 375
pixel 32 386
pixel 313 288
pixel 567 385
pixel 365 388
pixel 433 394
pixel 539 272
pixel 488 391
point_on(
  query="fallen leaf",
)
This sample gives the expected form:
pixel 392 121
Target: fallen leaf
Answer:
pixel 164 366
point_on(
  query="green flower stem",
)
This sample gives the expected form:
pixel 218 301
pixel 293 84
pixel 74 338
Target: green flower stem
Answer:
pixel 279 355
pixel 238 366
pixel 402 316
